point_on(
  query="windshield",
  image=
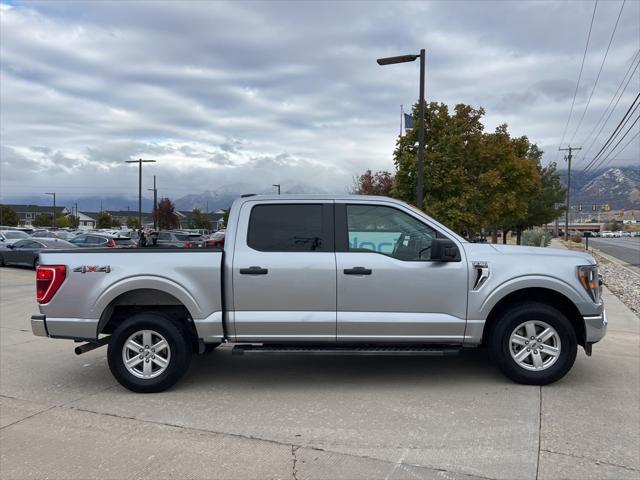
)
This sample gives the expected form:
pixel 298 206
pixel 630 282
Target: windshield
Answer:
pixel 15 235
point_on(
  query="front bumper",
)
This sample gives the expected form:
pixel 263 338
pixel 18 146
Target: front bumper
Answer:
pixel 39 325
pixel 595 327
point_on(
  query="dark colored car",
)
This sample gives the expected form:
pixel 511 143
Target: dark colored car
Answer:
pixel 25 252
pixel 168 238
pixel 101 240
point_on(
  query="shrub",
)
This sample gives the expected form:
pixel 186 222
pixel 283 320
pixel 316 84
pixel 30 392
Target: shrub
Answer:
pixel 576 238
pixel 536 238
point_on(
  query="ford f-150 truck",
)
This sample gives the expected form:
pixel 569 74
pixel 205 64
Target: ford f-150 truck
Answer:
pixel 323 274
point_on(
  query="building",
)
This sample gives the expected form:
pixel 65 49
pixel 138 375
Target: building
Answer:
pixel 28 213
pixel 123 216
pixel 85 222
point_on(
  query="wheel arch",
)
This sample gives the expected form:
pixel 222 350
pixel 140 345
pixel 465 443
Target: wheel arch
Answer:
pixel 546 296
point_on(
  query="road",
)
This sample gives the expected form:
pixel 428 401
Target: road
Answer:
pixel 300 417
pixel 625 249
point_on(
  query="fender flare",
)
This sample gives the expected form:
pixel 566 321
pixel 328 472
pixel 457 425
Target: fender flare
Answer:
pixel 146 282
pixel 529 281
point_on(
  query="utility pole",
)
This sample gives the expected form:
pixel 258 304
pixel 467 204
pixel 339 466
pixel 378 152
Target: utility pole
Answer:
pixel 155 203
pixel 140 161
pixel 277 185
pixel 568 157
pixel 53 216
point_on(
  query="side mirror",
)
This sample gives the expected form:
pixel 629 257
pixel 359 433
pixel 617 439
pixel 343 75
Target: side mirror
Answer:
pixel 444 250
pixel 11 246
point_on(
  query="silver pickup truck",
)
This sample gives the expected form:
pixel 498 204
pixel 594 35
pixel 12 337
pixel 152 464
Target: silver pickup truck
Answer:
pixel 325 275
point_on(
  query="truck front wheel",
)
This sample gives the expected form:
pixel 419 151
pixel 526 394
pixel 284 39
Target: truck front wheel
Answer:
pixel 148 353
pixel 533 343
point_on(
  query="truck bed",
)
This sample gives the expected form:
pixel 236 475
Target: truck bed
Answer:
pixel 100 279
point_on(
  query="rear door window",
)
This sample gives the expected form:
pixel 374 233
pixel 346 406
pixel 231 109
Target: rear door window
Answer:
pixel 290 228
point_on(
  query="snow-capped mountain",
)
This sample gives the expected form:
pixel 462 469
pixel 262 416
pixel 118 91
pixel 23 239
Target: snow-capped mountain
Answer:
pixel 617 186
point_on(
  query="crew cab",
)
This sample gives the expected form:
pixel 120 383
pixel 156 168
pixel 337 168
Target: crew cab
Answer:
pixel 323 274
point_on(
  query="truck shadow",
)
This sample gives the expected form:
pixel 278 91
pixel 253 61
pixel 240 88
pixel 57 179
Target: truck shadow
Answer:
pixel 302 371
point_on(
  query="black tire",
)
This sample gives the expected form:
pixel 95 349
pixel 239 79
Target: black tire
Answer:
pixel 36 262
pixel 499 343
pixel 179 345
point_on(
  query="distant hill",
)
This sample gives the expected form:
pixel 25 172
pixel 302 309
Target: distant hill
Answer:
pixel 617 186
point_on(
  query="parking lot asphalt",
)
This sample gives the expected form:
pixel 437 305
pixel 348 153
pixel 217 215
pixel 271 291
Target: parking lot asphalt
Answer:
pixel 257 416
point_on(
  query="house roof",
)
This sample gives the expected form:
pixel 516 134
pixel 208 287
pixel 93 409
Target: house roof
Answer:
pixel 29 208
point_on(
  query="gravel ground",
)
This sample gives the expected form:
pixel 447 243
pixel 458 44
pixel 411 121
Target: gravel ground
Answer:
pixel 622 282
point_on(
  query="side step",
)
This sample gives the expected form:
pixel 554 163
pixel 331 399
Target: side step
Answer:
pixel 428 351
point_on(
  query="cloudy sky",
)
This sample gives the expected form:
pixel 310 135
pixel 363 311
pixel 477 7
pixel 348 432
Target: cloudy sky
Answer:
pixel 254 93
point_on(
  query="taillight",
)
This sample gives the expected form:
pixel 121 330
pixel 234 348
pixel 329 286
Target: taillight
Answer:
pixel 49 278
pixel 188 244
pixel 111 243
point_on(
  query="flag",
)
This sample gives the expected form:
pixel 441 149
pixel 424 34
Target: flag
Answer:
pixel 408 122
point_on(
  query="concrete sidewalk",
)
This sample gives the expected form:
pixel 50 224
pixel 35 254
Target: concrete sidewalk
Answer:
pixel 63 416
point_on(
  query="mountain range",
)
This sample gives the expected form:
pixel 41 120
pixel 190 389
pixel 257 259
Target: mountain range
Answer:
pixel 617 186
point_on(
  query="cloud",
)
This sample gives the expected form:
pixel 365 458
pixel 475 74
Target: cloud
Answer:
pixel 274 92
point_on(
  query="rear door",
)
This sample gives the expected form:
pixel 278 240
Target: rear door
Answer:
pixel 284 272
pixel 388 288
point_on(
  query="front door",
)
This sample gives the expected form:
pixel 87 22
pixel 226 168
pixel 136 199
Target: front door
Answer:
pixel 388 288
pixel 284 272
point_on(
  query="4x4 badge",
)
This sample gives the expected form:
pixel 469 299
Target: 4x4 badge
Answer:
pixel 92 268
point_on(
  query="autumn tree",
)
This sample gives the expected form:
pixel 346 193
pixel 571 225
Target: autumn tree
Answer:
pixel 379 183
pixel 8 216
pixel 165 214
pixel 200 220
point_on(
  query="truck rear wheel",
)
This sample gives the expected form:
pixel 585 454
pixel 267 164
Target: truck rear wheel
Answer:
pixel 533 344
pixel 148 353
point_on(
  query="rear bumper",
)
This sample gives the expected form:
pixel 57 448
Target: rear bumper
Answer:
pixel 595 327
pixel 39 325
pixel 73 328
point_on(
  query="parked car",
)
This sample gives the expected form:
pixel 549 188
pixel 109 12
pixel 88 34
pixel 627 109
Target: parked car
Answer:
pixel 7 237
pixel 25 252
pixel 61 234
pixel 324 274
pixel 100 240
pixel 216 240
pixel 169 238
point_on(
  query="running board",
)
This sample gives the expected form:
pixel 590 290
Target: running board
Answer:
pixel 428 351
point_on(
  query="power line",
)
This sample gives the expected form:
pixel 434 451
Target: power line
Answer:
pixel 620 125
pixel 586 107
pixel 575 93
pixel 624 89
pixel 603 161
pixel 626 145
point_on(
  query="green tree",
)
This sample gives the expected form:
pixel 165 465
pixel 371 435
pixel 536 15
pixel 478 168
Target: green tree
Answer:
pixel 74 221
pixel 379 183
pixel 8 216
pixel 42 220
pixel 133 222
pixel 474 181
pixel 199 220
pixel 62 221
pixel 165 214
pixel 104 220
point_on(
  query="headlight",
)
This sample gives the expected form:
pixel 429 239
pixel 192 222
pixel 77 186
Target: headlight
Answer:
pixel 588 275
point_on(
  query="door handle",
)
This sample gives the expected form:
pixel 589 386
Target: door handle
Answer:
pixel 357 271
pixel 253 271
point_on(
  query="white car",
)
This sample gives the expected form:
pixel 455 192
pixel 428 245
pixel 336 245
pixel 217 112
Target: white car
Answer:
pixel 9 237
pixel 606 234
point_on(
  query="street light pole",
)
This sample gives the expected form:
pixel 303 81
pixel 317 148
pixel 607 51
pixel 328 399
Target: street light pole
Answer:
pixel 53 216
pixel 155 203
pixel 140 162
pixel 277 185
pixel 421 126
